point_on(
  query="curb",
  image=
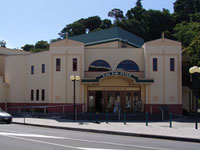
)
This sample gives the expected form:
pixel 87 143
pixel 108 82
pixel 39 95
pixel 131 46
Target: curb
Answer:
pixel 116 133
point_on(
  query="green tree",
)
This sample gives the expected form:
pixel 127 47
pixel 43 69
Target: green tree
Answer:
pixel 43 45
pixel 28 47
pixel 138 12
pixel 106 23
pixel 92 23
pixel 135 20
pixel 117 14
pixel 133 26
pixel 182 9
pixel 195 17
pixel 193 51
pixel 190 58
pixel 75 28
pixel 186 32
pixel 156 22
pixel 138 3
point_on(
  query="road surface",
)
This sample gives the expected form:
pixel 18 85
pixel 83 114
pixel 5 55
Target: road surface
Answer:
pixel 20 137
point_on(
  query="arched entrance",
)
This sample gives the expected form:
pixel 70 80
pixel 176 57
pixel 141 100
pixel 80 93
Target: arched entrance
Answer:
pixel 114 92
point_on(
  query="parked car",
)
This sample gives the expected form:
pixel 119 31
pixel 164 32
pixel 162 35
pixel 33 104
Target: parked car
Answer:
pixel 5 117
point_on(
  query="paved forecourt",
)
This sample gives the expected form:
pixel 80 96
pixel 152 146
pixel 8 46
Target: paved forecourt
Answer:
pixel 179 130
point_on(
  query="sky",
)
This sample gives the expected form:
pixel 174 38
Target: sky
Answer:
pixel 28 21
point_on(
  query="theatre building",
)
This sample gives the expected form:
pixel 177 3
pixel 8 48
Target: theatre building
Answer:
pixel 118 72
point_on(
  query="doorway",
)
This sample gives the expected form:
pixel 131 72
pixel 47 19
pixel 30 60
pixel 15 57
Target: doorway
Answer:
pixel 98 101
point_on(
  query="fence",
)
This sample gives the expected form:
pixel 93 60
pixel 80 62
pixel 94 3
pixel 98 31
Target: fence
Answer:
pixel 45 110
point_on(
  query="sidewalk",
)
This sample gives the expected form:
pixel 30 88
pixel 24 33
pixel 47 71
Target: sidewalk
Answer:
pixel 183 131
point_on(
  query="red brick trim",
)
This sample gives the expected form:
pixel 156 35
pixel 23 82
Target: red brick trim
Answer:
pixel 174 108
pixel 2 106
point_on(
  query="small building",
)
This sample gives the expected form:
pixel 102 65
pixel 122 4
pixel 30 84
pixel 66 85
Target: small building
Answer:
pixel 118 71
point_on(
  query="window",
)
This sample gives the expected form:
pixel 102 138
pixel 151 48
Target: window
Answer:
pixel 58 66
pixel 37 95
pixel 32 69
pixel 155 64
pixel 74 64
pixel 43 94
pixel 99 65
pixel 172 68
pixel 32 95
pixel 43 68
pixel 128 65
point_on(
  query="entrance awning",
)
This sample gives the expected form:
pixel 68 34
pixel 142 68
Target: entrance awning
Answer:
pixel 118 73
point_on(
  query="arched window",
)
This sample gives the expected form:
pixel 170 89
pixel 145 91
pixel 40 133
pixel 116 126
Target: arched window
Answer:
pixel 99 65
pixel 128 65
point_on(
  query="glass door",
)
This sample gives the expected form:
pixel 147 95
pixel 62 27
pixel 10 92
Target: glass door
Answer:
pixel 110 101
pixel 91 101
pixel 137 103
pixel 128 102
pixel 117 105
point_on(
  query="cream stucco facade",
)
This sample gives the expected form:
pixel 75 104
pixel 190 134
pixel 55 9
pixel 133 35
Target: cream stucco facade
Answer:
pixel 44 78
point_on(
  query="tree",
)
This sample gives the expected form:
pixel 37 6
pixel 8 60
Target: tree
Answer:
pixel 106 23
pixel 194 17
pixel 75 28
pixel 117 14
pixel 28 47
pixel 135 20
pixel 191 58
pixel 193 51
pixel 133 26
pixel 138 3
pixel 42 45
pixel 137 12
pixel 2 43
pixel 182 9
pixel 92 23
pixel 186 32
pixel 156 22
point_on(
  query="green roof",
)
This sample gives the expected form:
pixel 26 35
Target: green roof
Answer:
pixel 107 35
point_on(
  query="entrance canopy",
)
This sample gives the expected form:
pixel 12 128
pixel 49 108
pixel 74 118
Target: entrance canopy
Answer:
pixel 120 74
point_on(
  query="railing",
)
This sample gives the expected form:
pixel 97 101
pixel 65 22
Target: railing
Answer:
pixel 44 110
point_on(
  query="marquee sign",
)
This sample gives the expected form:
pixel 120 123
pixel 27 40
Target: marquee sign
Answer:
pixel 118 73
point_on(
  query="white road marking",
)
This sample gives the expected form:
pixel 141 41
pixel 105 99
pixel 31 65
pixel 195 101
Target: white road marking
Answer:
pixel 30 135
pixel 15 135
pixel 118 144
pixel 95 149
pixel 55 144
pixel 2 130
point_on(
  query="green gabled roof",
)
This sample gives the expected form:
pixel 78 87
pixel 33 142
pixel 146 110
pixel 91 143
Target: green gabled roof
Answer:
pixel 107 35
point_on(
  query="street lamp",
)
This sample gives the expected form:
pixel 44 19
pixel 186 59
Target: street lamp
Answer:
pixel 74 79
pixel 195 70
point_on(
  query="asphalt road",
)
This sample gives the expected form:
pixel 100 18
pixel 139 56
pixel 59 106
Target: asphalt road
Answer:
pixel 20 137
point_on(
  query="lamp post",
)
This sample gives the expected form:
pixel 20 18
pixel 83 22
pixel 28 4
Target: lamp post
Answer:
pixel 195 70
pixel 74 79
